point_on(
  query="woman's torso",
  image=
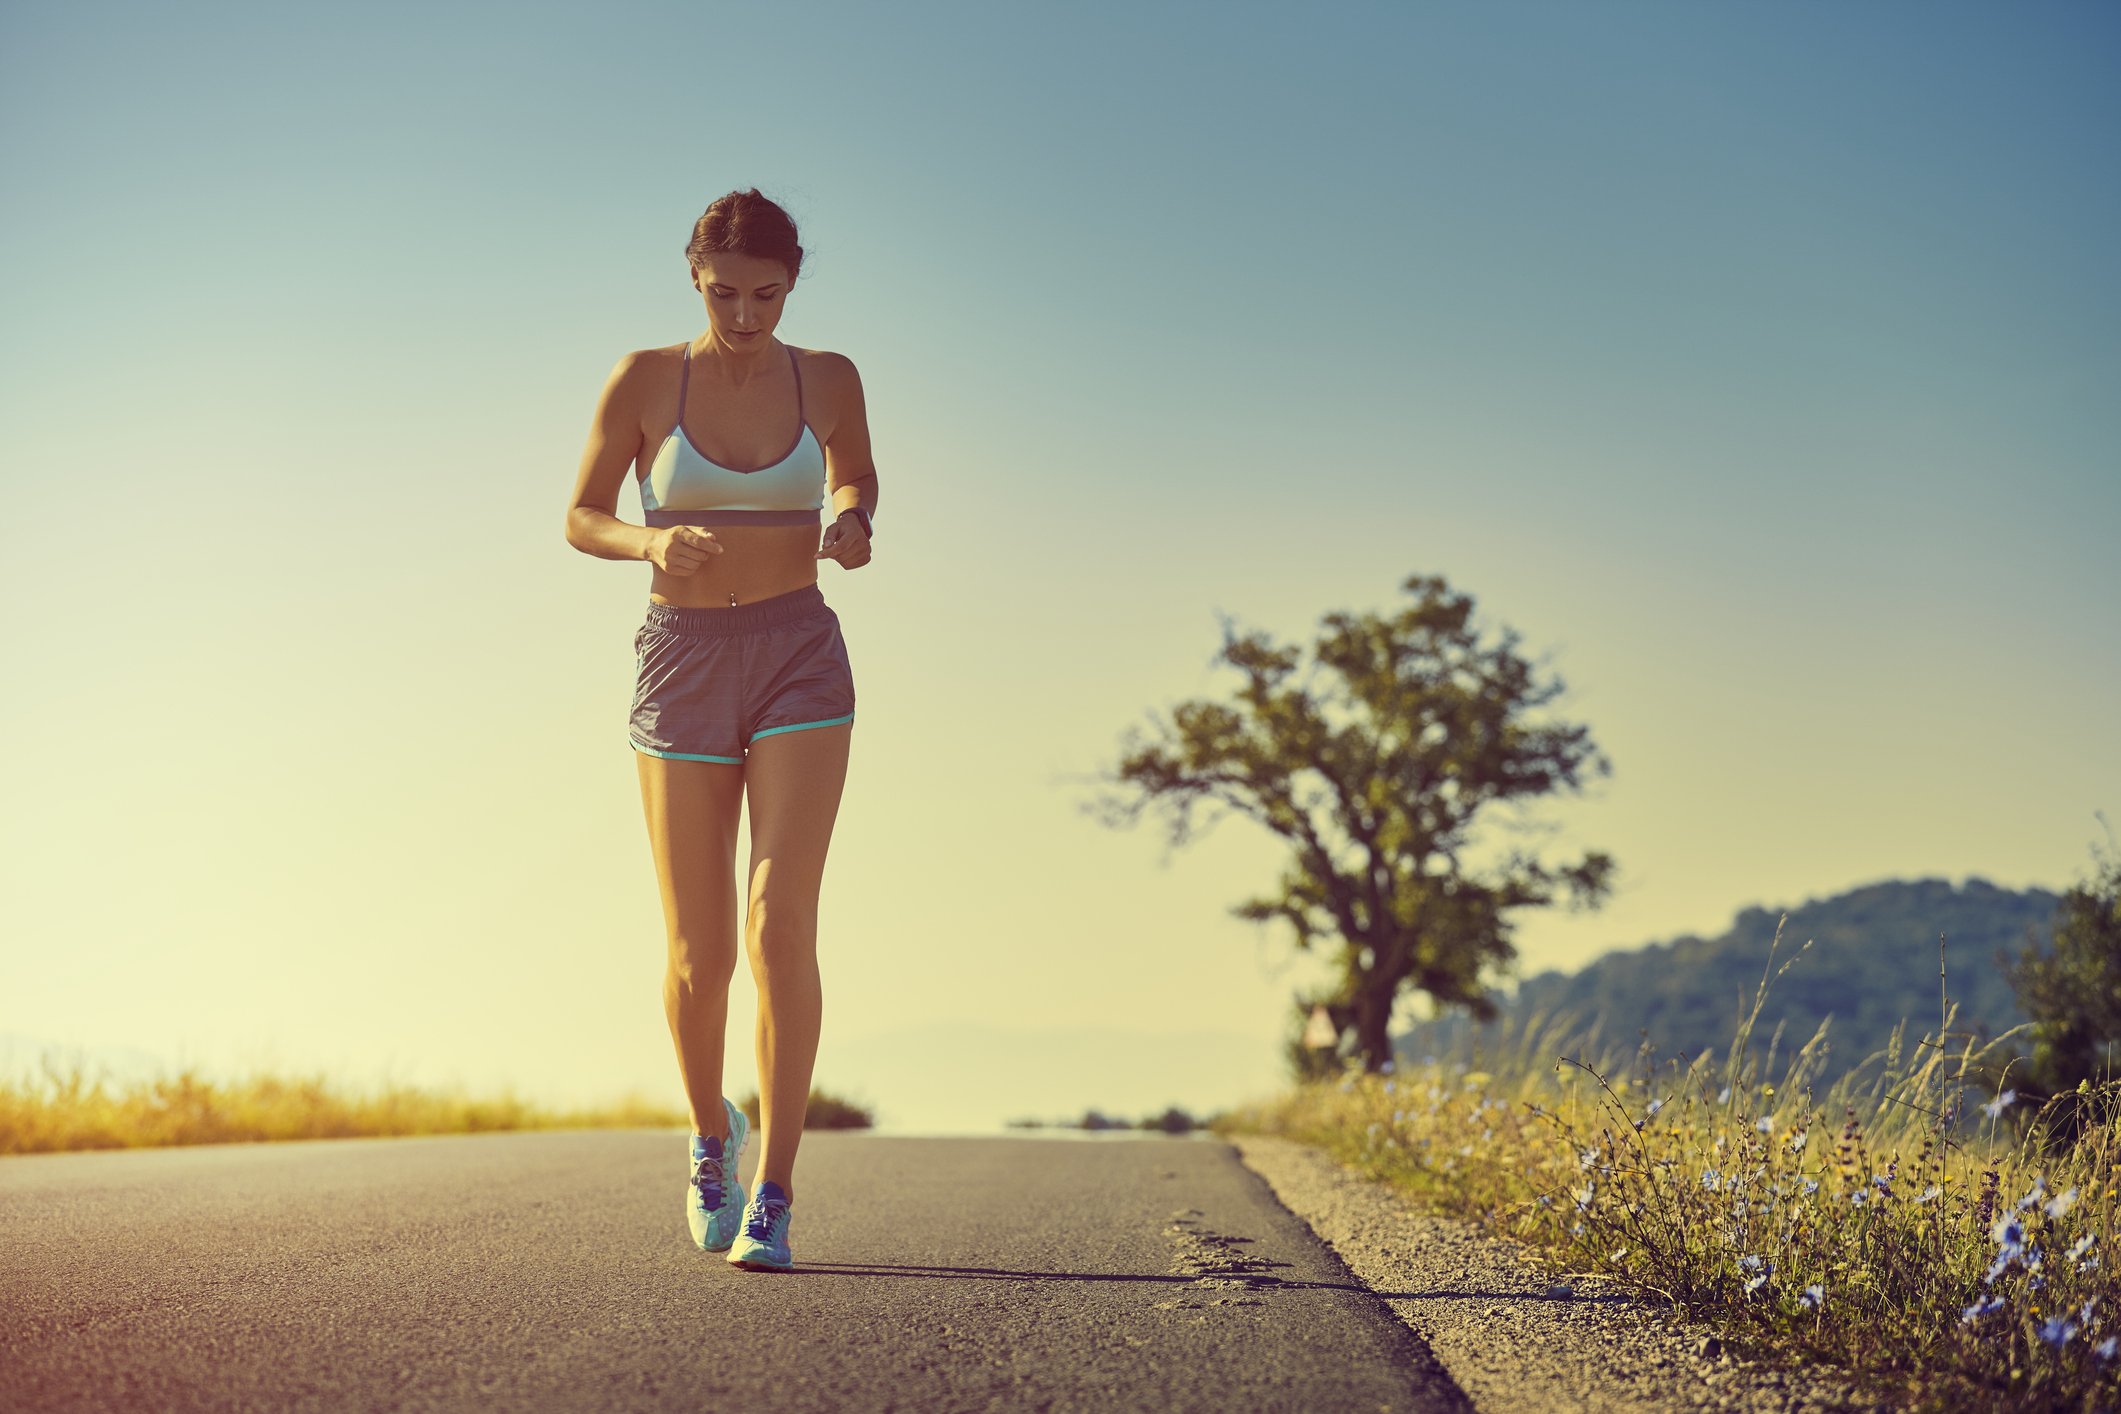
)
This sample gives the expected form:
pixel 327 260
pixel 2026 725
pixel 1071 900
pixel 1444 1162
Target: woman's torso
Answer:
pixel 737 429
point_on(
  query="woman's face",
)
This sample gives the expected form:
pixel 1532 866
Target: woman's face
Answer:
pixel 743 293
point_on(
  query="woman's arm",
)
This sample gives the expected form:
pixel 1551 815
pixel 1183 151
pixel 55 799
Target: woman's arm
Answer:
pixel 850 473
pixel 593 526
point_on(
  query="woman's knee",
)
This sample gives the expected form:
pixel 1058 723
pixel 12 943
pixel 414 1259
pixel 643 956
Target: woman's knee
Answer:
pixel 780 930
pixel 696 961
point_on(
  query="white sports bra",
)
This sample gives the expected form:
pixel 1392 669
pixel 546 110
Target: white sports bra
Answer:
pixel 683 487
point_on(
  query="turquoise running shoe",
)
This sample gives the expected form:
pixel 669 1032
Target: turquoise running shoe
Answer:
pixel 763 1244
pixel 714 1198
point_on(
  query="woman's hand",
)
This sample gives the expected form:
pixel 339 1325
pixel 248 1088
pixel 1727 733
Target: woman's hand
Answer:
pixel 846 542
pixel 681 549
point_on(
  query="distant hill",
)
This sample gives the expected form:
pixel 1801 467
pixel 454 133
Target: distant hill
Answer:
pixel 1873 961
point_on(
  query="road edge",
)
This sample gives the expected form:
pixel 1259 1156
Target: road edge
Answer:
pixel 1514 1340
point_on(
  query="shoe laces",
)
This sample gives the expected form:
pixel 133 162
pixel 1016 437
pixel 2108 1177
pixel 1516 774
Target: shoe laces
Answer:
pixel 707 1177
pixel 765 1212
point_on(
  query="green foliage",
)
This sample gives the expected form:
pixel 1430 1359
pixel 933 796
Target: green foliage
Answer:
pixel 1873 963
pixel 1375 766
pixel 2072 992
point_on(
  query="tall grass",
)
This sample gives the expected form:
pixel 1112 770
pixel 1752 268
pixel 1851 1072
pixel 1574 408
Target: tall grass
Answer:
pixel 1883 1220
pixel 63 1109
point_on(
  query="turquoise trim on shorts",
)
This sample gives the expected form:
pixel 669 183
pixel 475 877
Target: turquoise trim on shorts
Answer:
pixel 805 726
pixel 687 755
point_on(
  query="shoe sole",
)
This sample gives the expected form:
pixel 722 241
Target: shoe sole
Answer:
pixel 760 1264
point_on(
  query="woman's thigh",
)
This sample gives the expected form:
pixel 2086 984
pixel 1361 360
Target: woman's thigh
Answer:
pixel 691 809
pixel 794 781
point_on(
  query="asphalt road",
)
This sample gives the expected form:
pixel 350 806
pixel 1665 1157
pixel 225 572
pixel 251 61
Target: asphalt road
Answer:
pixel 552 1271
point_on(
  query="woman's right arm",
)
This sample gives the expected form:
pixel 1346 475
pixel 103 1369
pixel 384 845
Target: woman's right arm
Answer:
pixel 593 527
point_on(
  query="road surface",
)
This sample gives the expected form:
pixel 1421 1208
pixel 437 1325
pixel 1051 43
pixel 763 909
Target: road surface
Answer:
pixel 552 1271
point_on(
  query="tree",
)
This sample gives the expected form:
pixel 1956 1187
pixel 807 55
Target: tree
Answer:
pixel 1375 768
pixel 2072 994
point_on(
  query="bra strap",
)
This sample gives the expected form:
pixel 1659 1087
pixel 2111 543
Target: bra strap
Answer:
pixel 684 376
pixel 801 421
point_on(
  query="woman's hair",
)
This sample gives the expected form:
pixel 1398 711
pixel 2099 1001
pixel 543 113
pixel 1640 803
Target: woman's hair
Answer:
pixel 746 223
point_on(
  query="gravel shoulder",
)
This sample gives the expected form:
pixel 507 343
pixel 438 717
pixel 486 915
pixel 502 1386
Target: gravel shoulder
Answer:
pixel 1512 1338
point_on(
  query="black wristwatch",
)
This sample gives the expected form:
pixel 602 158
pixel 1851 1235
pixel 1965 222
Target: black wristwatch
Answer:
pixel 857 510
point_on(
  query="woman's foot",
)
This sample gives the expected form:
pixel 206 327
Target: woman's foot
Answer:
pixel 714 1196
pixel 762 1245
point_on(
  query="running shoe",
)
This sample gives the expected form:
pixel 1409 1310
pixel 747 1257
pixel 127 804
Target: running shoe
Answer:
pixel 763 1244
pixel 714 1198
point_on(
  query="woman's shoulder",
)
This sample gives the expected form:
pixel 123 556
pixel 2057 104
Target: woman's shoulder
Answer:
pixel 636 362
pixel 820 358
pixel 831 374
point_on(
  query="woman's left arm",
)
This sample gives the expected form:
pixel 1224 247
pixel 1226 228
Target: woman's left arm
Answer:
pixel 850 473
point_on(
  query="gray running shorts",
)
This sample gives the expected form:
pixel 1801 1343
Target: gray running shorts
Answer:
pixel 709 681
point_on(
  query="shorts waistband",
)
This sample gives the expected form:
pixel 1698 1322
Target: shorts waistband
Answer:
pixel 737 618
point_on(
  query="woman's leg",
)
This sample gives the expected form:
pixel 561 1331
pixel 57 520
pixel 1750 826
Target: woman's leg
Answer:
pixel 794 780
pixel 692 817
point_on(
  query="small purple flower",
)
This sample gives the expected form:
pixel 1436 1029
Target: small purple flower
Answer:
pixel 2057 1330
pixel 2105 1348
pixel 1988 1305
pixel 1813 1297
pixel 1711 1179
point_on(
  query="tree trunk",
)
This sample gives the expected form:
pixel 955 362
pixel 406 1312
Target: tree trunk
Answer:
pixel 1373 1024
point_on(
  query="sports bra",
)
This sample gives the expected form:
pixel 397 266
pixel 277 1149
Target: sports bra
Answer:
pixel 684 488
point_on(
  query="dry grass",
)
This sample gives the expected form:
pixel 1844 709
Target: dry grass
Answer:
pixel 1892 1225
pixel 62 1109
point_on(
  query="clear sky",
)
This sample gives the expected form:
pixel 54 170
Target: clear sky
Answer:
pixel 1756 362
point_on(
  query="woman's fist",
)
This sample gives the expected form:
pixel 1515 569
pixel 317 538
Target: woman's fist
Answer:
pixel 681 549
pixel 846 542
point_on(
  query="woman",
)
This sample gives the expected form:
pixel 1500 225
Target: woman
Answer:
pixel 743 686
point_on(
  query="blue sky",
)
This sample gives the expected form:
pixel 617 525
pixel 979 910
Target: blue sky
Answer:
pixel 1754 361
